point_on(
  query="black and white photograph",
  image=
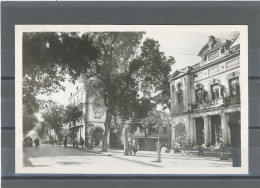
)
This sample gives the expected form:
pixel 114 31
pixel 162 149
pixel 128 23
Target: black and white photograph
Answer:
pixel 131 99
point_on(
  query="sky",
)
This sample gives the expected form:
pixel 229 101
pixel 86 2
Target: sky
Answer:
pixel 184 46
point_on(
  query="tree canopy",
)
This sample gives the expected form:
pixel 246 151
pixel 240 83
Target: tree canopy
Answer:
pixel 119 66
pixel 128 64
pixel 29 121
pixel 72 114
pixel 48 57
pixel 54 119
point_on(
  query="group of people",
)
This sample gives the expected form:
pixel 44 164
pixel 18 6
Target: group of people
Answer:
pixel 76 143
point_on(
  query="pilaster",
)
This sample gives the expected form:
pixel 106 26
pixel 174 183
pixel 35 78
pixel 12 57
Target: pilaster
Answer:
pixel 224 128
pixel 206 129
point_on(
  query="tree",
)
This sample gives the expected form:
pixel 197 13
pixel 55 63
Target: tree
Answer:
pixel 42 130
pixel 72 115
pixel 54 119
pixel 125 65
pixel 154 122
pixel 29 121
pixel 118 62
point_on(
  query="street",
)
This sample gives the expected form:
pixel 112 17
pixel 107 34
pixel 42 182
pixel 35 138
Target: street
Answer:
pixel 55 156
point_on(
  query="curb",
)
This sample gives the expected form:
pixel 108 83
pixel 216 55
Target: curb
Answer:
pixel 136 161
pixel 119 157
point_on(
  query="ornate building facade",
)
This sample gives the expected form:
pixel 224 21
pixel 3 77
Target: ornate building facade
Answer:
pixel 205 97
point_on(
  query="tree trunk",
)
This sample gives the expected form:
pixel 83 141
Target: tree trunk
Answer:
pixel 107 127
pixel 119 143
pixel 126 148
pixel 158 147
pixel 86 119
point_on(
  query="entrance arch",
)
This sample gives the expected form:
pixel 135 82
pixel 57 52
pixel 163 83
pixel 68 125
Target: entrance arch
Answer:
pixel 97 136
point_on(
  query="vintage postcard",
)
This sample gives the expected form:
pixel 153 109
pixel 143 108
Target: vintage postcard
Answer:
pixel 131 99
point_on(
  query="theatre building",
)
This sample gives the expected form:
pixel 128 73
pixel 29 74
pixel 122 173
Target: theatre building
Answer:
pixel 205 97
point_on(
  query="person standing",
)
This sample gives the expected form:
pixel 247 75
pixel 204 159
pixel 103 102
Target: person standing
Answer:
pixel 134 147
pixel 65 142
pixel 37 143
pixel 82 143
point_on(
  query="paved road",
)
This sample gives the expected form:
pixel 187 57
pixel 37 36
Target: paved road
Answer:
pixel 55 156
pixel 60 158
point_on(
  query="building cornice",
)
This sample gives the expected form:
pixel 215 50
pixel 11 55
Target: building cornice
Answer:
pixel 220 60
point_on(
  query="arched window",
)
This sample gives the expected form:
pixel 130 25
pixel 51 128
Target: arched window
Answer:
pixel 215 92
pixel 234 87
pixel 199 95
pixel 180 94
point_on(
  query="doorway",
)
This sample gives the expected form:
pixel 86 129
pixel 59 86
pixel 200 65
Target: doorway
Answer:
pixel 216 132
pixel 97 136
pixel 199 131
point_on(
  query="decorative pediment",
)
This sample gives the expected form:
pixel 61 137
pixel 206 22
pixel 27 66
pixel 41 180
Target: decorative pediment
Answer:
pixel 213 44
pixel 214 81
pixel 178 72
pixel 233 75
pixel 199 86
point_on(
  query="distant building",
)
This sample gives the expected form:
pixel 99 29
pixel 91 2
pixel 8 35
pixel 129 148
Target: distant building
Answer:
pixel 147 141
pixel 205 97
pixel 91 128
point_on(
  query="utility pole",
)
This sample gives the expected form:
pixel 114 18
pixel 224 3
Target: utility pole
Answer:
pixel 158 146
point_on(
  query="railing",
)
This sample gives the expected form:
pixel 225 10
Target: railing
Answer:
pixel 232 100
pixel 216 103
pixel 208 104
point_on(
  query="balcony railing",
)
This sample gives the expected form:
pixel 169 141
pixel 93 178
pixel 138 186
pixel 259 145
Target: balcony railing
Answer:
pixel 232 100
pixel 216 103
pixel 208 104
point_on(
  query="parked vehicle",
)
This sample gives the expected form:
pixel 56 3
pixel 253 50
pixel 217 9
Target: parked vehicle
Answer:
pixel 27 142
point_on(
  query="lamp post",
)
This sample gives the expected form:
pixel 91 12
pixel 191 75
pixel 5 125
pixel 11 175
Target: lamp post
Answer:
pixel 158 146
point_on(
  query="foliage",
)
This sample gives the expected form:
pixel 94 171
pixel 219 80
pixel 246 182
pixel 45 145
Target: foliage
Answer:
pixel 54 118
pixel 117 65
pixel 47 57
pixel 42 130
pixel 72 114
pixel 155 120
pixel 29 121
pixel 126 66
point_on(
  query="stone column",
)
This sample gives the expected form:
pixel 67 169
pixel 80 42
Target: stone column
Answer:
pixel 209 131
pixel 206 129
pixel 224 128
pixel 192 130
pixel 228 130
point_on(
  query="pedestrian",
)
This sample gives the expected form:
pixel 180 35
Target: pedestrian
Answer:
pixel 65 142
pixel 134 147
pixel 76 143
pixel 200 150
pixel 37 143
pixel 82 143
